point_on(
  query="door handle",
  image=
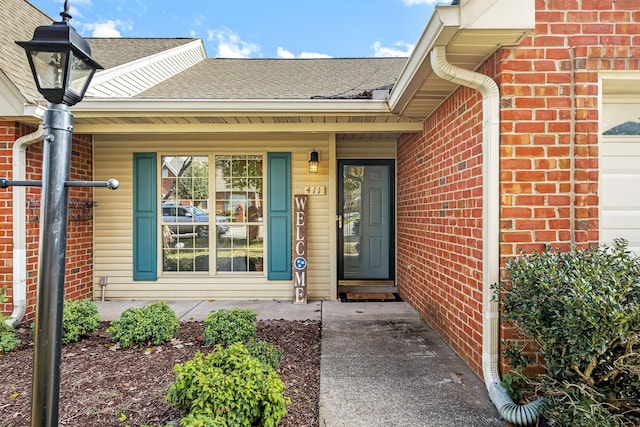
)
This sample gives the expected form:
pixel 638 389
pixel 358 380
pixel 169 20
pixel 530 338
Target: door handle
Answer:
pixel 339 219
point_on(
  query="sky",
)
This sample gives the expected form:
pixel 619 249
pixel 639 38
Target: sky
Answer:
pixel 260 28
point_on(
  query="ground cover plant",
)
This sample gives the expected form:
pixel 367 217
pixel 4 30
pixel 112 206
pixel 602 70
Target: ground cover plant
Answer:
pixel 230 387
pixel 106 384
pixel 234 385
pixel 582 309
pixel 79 318
pixel 153 324
pixel 8 340
pixel 225 327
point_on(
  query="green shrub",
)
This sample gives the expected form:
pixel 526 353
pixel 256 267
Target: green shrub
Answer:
pixel 582 308
pixel 199 420
pixel 154 324
pixel 8 340
pixel 265 352
pixel 229 384
pixel 78 318
pixel 226 327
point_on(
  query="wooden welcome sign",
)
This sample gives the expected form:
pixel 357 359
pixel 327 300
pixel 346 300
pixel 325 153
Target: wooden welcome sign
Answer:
pixel 300 249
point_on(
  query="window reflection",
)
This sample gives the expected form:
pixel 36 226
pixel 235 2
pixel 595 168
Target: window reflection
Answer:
pixel 236 215
pixel 185 218
pixel 239 210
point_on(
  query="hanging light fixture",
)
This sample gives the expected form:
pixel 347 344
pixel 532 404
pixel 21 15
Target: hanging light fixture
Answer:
pixel 313 162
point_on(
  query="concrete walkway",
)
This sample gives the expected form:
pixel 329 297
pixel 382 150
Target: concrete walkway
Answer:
pixel 381 364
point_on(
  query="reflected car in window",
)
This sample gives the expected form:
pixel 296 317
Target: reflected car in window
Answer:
pixel 182 219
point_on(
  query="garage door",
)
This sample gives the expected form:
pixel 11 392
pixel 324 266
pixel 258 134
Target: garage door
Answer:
pixel 620 175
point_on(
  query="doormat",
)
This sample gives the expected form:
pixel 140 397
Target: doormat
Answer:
pixel 369 297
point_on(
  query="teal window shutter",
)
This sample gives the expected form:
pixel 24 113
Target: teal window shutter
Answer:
pixel 145 217
pixel 279 219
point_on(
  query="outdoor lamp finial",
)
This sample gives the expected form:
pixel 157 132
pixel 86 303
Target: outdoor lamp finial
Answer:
pixel 65 13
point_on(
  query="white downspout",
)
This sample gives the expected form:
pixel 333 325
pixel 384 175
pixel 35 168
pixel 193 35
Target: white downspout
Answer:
pixel 521 415
pixel 19 224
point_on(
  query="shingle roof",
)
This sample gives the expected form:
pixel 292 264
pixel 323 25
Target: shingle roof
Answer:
pixel 279 79
pixel 19 18
pixel 111 52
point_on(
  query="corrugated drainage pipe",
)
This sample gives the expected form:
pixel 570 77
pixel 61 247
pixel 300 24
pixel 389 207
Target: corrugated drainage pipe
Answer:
pixel 19 283
pixel 520 415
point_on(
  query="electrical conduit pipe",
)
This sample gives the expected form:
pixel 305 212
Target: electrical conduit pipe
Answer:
pixel 520 415
pixel 19 283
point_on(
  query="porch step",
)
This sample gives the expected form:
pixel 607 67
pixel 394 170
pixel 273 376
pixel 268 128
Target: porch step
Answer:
pixel 367 289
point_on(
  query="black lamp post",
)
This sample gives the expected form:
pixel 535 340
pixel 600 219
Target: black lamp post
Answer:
pixel 62 67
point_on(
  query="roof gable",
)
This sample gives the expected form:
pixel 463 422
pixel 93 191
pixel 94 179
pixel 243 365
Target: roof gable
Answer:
pixel 135 65
pixel 19 19
pixel 113 52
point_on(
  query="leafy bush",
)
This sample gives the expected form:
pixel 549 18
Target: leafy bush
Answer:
pixel 8 340
pixel 228 384
pixel 582 308
pixel 199 420
pixel 78 318
pixel 154 324
pixel 265 352
pixel 226 327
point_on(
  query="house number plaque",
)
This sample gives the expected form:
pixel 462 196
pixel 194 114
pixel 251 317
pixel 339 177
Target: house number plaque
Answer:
pixel 300 249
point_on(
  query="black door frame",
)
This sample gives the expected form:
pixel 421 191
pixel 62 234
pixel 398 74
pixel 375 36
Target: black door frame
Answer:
pixel 391 163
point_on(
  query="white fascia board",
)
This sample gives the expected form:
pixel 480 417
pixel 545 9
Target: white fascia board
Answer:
pixel 35 110
pixel 433 35
pixel 12 101
pixel 124 69
pixel 227 107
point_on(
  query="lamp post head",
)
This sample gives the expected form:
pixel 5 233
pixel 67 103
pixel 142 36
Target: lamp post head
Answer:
pixel 60 60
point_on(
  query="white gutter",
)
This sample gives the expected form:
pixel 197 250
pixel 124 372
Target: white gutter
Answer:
pixel 135 107
pixel 521 415
pixel 19 286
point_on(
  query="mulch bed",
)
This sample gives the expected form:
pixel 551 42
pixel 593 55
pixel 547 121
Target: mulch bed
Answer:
pixel 103 385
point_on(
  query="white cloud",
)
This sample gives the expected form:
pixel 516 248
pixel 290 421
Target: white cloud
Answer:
pixel 285 54
pixel 398 49
pixel 73 10
pixel 314 55
pixel 199 20
pixel 107 28
pixel 230 45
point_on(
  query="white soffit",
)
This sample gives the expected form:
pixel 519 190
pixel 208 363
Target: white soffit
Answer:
pixel 471 32
pixel 624 84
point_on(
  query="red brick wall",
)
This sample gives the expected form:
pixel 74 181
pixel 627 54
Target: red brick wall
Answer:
pixel 79 265
pixel 440 223
pixel 549 167
pixel 549 121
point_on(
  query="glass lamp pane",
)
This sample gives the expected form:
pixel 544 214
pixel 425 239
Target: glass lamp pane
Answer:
pixel 79 74
pixel 49 68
